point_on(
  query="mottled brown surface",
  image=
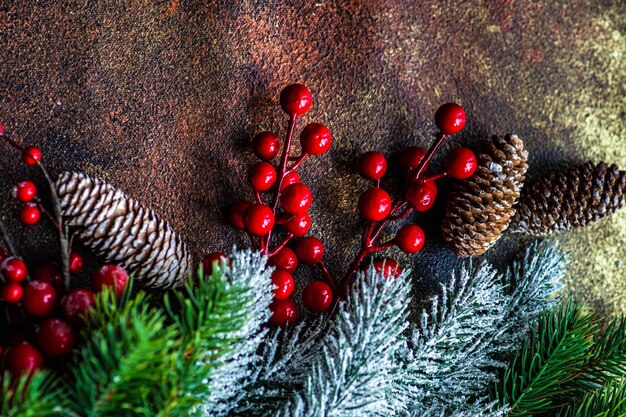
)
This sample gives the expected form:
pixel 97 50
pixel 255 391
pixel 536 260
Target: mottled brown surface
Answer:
pixel 162 98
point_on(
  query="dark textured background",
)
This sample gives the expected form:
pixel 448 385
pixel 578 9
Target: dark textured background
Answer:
pixel 162 98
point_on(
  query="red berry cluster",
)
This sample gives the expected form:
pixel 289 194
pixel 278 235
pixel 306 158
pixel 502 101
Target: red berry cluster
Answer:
pixel 280 208
pixel 42 312
pixel 418 193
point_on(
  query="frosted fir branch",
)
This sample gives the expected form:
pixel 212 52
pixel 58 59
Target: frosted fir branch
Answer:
pixel 355 372
pixel 227 385
pixel 452 356
pixel 479 408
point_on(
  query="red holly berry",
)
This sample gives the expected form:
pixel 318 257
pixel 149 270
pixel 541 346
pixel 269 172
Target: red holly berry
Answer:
pixel 258 219
pixel 13 269
pixel 110 276
pixel 211 261
pixel 310 250
pixel 266 145
pixel 284 312
pixel 39 300
pixel 12 292
pixel 296 199
pixel 388 267
pixel 295 99
pixel 410 238
pixel 298 225
pixel 285 259
pixel 31 155
pixel 315 139
pixel 461 163
pixel 317 296
pixel 22 359
pixel 372 165
pixel 374 204
pixel 284 281
pixel 76 305
pixel 76 263
pixel 56 337
pixel 30 214
pixel 450 118
pixel 235 214
pixel 410 158
pixel 24 191
pixel 261 176
pixel 421 196
pixel 291 177
pixel 49 272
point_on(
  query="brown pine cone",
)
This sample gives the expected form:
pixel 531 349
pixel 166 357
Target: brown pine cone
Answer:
pixel 570 199
pixel 480 208
pixel 119 229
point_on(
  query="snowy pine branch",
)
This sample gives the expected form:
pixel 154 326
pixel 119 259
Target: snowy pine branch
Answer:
pixel 356 370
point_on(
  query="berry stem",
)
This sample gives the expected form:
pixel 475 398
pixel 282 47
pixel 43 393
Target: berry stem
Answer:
pixel 281 245
pixel 7 241
pixel 434 177
pixel 282 170
pixel 419 169
pixel 298 161
pixel 329 277
pixel 259 197
pixel 13 143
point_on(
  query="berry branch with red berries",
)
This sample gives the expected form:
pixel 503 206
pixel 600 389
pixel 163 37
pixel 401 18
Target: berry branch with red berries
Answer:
pixel 284 212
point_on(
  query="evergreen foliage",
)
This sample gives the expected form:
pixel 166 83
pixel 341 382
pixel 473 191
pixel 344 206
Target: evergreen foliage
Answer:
pixel 36 395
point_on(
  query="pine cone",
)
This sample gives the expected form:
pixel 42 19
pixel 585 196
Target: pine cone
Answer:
pixel 570 199
pixel 480 208
pixel 122 231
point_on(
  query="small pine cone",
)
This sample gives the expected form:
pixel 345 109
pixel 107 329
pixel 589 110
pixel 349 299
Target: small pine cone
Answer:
pixel 570 199
pixel 119 229
pixel 480 208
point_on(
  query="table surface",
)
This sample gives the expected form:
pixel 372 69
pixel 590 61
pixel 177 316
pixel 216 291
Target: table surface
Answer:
pixel 162 98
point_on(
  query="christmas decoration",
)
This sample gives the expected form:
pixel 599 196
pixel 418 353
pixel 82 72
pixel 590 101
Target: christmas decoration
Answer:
pixel 480 208
pixel 573 198
pixel 123 232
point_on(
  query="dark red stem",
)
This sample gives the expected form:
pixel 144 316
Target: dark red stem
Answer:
pixel 298 161
pixel 281 245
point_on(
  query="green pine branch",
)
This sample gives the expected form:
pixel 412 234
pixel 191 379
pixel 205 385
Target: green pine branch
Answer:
pixel 607 401
pixel 36 395
pixel 543 368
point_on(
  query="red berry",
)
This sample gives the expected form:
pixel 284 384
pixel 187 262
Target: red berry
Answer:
pixel 372 165
pixel 49 273
pixel 410 158
pixel 284 281
pixel 31 155
pixel 30 214
pixel 298 225
pixel 317 296
pixel 211 261
pixel 450 118
pixel 39 300
pixel 13 269
pixel 285 259
pixel 22 359
pixel 24 191
pixel 56 337
pixel 284 312
pixel 296 199
pixel 295 99
pixel 235 214
pixel 410 238
pixel 374 204
pixel 388 267
pixel 315 139
pixel 12 292
pixel 266 145
pixel 258 219
pixel 76 305
pixel 421 196
pixel 261 176
pixel 291 177
pixel 310 250
pixel 76 263
pixel 461 163
pixel 110 276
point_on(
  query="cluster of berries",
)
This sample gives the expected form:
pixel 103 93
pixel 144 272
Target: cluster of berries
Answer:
pixel 284 212
pixel 43 314
pixel 418 193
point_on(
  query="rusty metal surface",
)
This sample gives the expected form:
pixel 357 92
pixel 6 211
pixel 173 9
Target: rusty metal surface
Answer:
pixel 162 98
